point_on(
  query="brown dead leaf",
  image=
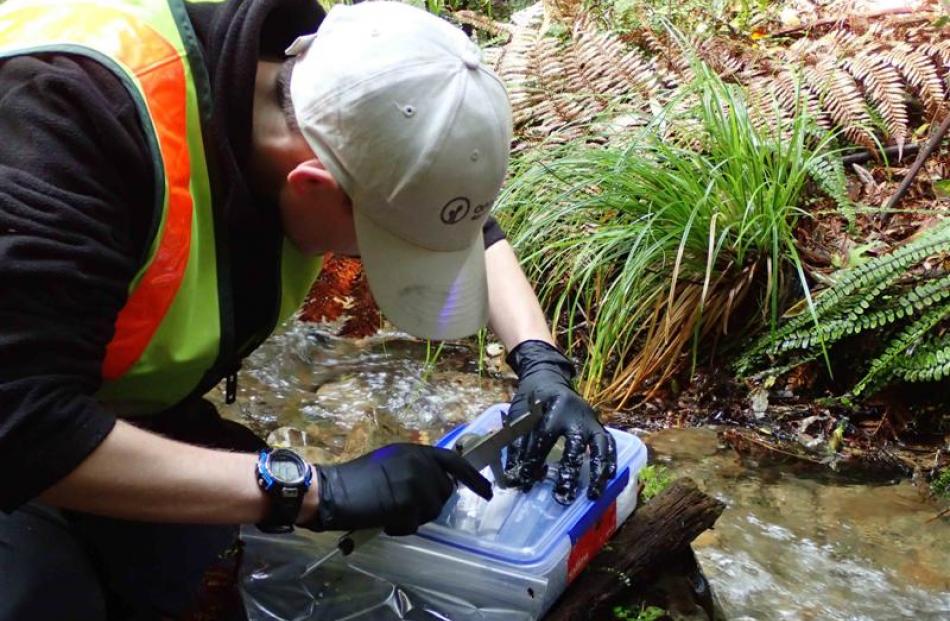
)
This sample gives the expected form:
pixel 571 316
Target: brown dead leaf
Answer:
pixel 342 291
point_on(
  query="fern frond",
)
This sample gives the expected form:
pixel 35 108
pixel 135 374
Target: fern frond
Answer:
pixel 939 52
pixel 585 77
pixel 930 363
pixel 567 104
pixel 828 173
pixel 921 73
pixel 611 65
pixel 486 24
pixel 724 60
pixel 884 89
pixel 883 368
pixel 883 269
pixel 789 90
pixel 563 11
pixel 513 67
pixel 898 307
pixel 853 293
pixel 590 73
pixel 841 97
pixel 764 109
pixel 648 40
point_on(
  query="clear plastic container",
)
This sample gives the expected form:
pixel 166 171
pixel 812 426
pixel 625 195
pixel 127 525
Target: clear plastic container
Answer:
pixel 516 553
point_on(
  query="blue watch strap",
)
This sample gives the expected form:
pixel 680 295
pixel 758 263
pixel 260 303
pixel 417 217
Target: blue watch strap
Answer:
pixel 286 496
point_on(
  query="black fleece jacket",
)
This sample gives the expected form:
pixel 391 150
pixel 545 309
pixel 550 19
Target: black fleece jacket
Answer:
pixel 76 212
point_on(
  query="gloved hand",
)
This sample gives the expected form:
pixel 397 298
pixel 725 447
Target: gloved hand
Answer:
pixel 545 376
pixel 397 488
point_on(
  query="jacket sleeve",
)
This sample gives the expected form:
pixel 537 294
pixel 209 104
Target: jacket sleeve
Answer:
pixel 74 219
pixel 492 232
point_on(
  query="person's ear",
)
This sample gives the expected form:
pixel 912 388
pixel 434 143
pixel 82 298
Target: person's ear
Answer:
pixel 310 177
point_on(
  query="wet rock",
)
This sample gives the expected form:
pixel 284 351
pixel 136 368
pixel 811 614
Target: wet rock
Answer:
pixel 349 395
pixel 320 432
pixel 923 574
pixel 327 434
pixel 705 539
pixel 308 443
pixel 760 402
pixel 494 350
pixel 287 437
pixel 493 360
pixel 372 432
pixel 460 397
pixel 358 442
pixel 316 455
pixel 684 444
pixel 812 546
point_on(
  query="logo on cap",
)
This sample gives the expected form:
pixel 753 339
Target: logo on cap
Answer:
pixel 455 210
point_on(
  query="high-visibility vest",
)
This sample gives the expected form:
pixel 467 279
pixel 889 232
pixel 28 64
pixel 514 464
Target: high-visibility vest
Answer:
pixel 168 336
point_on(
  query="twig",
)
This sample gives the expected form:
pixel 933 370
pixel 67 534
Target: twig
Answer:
pixel 938 516
pixel 929 148
pixel 864 155
pixel 910 16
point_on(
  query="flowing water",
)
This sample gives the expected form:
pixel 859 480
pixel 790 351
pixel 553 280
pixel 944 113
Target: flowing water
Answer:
pixel 786 547
pixel 797 547
pixel 341 397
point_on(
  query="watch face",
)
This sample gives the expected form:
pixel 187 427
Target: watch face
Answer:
pixel 285 469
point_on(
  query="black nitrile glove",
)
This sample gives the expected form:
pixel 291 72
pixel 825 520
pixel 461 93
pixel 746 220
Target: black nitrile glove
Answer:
pixel 545 376
pixel 397 488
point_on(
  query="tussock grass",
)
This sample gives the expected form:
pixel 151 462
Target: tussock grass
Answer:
pixel 643 253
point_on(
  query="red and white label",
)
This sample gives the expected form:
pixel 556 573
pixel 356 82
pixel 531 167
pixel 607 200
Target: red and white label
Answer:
pixel 591 542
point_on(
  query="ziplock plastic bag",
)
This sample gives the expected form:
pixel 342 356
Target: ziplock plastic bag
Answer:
pixel 283 580
pixel 508 559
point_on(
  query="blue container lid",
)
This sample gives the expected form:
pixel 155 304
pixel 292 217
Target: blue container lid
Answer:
pixel 524 528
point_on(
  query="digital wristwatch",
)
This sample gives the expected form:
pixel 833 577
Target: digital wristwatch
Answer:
pixel 285 477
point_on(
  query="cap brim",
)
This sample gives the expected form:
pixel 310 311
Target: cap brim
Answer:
pixel 427 293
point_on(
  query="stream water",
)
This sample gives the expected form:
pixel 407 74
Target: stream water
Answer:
pixel 796 547
pixel 787 546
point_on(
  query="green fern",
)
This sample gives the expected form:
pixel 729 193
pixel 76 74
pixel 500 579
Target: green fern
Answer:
pixel 828 174
pixel 931 361
pixel 880 296
pixel 901 350
pixel 897 307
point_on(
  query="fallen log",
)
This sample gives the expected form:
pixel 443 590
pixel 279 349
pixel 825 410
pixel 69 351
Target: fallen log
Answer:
pixel 659 530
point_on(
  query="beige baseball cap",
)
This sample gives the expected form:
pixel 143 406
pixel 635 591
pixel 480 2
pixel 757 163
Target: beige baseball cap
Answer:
pixel 397 105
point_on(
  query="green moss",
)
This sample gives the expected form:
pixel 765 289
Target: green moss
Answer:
pixel 655 479
pixel 644 613
pixel 940 486
pixel 559 30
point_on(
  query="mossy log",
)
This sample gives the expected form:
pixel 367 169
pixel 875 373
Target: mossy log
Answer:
pixel 659 531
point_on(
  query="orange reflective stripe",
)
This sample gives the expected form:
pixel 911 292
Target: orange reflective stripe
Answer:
pixel 162 76
pixel 161 73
